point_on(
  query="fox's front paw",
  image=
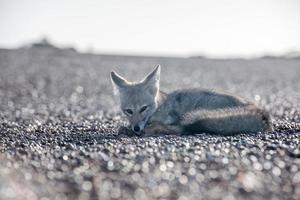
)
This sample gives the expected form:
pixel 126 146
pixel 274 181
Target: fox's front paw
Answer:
pixel 125 131
pixel 156 129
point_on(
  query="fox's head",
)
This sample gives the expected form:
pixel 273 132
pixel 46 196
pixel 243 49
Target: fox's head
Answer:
pixel 138 100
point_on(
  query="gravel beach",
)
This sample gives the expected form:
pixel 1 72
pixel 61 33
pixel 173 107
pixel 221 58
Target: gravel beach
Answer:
pixel 59 121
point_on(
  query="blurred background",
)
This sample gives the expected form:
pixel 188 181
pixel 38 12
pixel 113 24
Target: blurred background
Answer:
pixel 226 28
pixel 59 119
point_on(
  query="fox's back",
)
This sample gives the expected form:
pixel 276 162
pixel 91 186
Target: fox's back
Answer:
pixel 180 102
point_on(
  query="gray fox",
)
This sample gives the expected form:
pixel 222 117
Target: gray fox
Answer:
pixel 190 111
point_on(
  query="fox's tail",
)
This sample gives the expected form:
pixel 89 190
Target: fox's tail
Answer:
pixel 227 121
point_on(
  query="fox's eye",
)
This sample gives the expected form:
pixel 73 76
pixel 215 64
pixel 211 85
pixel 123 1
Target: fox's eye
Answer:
pixel 143 109
pixel 128 111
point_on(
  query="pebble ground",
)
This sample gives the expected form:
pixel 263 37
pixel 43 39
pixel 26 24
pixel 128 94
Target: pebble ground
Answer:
pixel 59 121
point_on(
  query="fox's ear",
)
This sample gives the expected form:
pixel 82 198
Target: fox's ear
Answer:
pixel 153 77
pixel 151 81
pixel 117 80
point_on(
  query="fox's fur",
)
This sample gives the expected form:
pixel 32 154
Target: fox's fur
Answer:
pixel 189 111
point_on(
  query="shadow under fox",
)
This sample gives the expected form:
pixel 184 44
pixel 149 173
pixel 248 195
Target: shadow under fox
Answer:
pixel 190 111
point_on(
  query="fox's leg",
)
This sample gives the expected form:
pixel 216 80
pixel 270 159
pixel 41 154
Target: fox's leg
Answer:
pixel 158 128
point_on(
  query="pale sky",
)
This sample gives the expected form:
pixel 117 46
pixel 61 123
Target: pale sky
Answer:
pixel 217 28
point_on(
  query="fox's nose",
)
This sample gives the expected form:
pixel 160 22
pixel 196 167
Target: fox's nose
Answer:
pixel 136 128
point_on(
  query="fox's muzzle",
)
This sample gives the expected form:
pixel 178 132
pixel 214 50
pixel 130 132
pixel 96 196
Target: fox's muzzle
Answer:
pixel 138 127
